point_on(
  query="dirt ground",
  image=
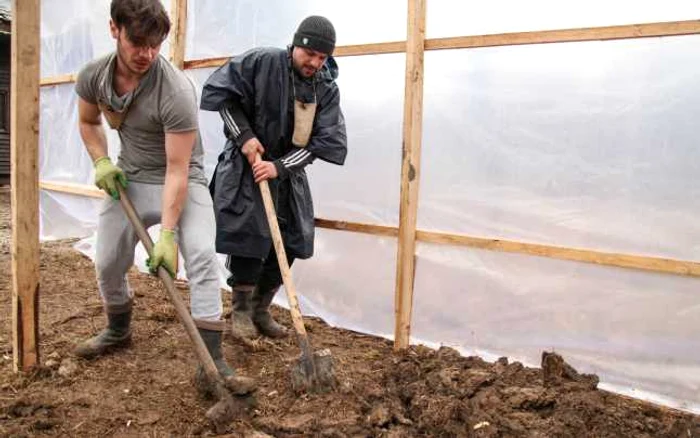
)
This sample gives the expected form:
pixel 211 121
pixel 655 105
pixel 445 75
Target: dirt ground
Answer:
pixel 147 390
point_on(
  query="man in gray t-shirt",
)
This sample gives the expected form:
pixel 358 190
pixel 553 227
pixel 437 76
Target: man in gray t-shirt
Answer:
pixel 153 106
pixel 164 101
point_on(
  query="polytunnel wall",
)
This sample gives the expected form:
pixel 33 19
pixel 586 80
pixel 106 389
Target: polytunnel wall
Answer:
pixel 584 144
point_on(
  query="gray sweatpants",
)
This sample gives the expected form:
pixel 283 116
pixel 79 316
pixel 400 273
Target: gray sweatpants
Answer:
pixel 116 243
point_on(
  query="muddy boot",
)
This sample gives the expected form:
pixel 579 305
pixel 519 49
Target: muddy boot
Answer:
pixel 238 385
pixel 241 317
pixel 116 335
pixel 266 325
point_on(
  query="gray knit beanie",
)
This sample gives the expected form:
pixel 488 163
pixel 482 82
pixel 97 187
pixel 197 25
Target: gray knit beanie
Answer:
pixel 316 33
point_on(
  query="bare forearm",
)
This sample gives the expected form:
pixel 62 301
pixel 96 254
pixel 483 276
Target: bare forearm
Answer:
pixel 94 138
pixel 174 195
pixel 178 149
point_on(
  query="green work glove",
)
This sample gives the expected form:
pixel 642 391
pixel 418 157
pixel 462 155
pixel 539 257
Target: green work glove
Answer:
pixel 164 253
pixel 107 176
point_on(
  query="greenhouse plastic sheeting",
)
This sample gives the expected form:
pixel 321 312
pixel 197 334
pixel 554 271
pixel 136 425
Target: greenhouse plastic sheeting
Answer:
pixel 594 145
pixel 450 18
pixel 589 145
pixel 223 28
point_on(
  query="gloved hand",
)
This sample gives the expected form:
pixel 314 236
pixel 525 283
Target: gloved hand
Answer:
pixel 107 176
pixel 164 253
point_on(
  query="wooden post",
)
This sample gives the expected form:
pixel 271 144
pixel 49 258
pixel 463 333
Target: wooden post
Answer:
pixel 178 32
pixel 410 171
pixel 24 139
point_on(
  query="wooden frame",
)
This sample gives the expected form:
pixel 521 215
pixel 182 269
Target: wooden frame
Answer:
pixel 645 30
pixel 58 80
pixel 178 32
pixel 410 172
pixel 72 189
pixel 619 260
pixel 407 233
pixel 24 140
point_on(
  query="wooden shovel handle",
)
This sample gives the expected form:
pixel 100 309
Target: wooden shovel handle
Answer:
pixel 282 260
pixel 183 313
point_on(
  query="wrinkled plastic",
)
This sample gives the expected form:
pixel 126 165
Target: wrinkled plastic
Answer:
pixel 590 145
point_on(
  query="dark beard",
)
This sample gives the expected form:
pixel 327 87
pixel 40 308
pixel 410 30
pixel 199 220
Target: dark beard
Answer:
pixel 300 74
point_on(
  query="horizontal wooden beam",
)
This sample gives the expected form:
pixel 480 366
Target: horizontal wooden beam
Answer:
pixel 376 230
pixel 646 30
pixel 57 80
pixel 206 63
pixel 371 49
pixel 353 50
pixel 645 263
pixel 72 189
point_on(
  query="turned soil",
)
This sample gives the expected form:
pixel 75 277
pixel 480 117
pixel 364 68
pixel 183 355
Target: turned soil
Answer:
pixel 147 390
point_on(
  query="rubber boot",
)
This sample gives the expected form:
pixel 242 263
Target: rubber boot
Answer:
pixel 242 326
pixel 116 335
pixel 238 385
pixel 266 325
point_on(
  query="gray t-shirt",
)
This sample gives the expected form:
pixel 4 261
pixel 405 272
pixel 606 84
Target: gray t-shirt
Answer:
pixel 164 101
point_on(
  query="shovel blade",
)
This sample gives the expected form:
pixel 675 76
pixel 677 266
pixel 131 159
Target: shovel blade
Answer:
pixel 314 373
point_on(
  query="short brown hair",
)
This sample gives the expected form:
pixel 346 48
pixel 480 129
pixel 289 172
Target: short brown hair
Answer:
pixel 145 21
